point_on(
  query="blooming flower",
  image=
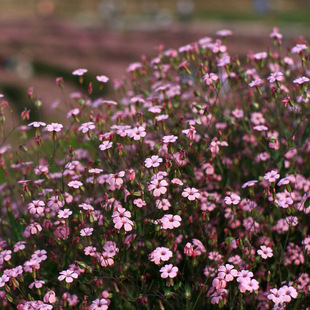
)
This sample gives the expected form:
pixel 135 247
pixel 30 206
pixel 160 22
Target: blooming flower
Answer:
pixel 169 139
pixel 154 161
pixel 210 78
pixel 301 80
pixel 159 187
pixel 232 199
pixel 54 127
pixel 79 72
pixel 160 254
pixel 191 193
pixel 75 184
pixel 275 76
pixel 137 133
pixel 265 252
pixel 37 124
pixel 169 271
pixel 87 127
pixel 102 78
pixel 68 276
pixel 227 272
pixel 170 221
pixel 105 145
pixel 272 176
pixel 86 232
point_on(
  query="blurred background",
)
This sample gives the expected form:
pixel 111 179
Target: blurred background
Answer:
pixel 43 39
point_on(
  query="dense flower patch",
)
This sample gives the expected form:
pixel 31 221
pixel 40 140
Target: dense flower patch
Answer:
pixel 189 190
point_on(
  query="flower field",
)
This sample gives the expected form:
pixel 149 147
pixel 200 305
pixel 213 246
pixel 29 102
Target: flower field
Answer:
pixel 189 188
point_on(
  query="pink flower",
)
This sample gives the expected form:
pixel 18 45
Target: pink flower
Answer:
pixel 170 221
pixel 102 78
pixel 105 145
pixel 169 271
pixel 4 279
pixel 87 127
pixel 210 78
pixel 79 72
pixel 249 183
pixel 218 296
pixel 169 139
pixel 137 133
pixel 37 124
pixel 99 304
pixel 50 297
pixel 54 127
pixel 255 83
pixel 265 252
pixel 275 76
pixel 227 272
pixel 139 203
pixel 86 232
pixel 301 80
pixel 191 193
pixel 287 293
pixel 160 254
pixel 68 276
pixel 36 284
pixel 232 199
pixel 154 161
pixel 272 176
pixel 298 48
pixel 19 246
pixel 159 187
pixel 36 207
pixel 75 184
pixel 275 296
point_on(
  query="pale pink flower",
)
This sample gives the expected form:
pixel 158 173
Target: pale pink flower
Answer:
pixel 169 139
pixel 232 199
pixel 54 127
pixel 227 272
pixel 249 183
pixel 86 232
pixel 298 48
pixel 68 276
pixel 272 176
pixel 19 246
pixel 105 145
pixel 75 184
pixel 73 112
pixel 210 78
pixel 102 78
pixel 159 187
pixel 160 254
pixel 275 76
pixel 265 252
pixel 50 297
pixel 154 161
pixel 170 221
pixel 255 83
pixel 136 133
pixel 139 203
pixel 37 124
pixel 4 279
pixel 163 204
pixel 79 72
pixel 169 271
pixel 287 293
pixel 36 207
pixel 191 193
pixel 275 296
pixel 301 80
pixel 99 304
pixel 218 296
pixel 87 127
pixel 36 284
pixel 123 222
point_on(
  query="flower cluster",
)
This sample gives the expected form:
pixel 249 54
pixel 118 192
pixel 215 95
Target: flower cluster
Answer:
pixel 188 189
